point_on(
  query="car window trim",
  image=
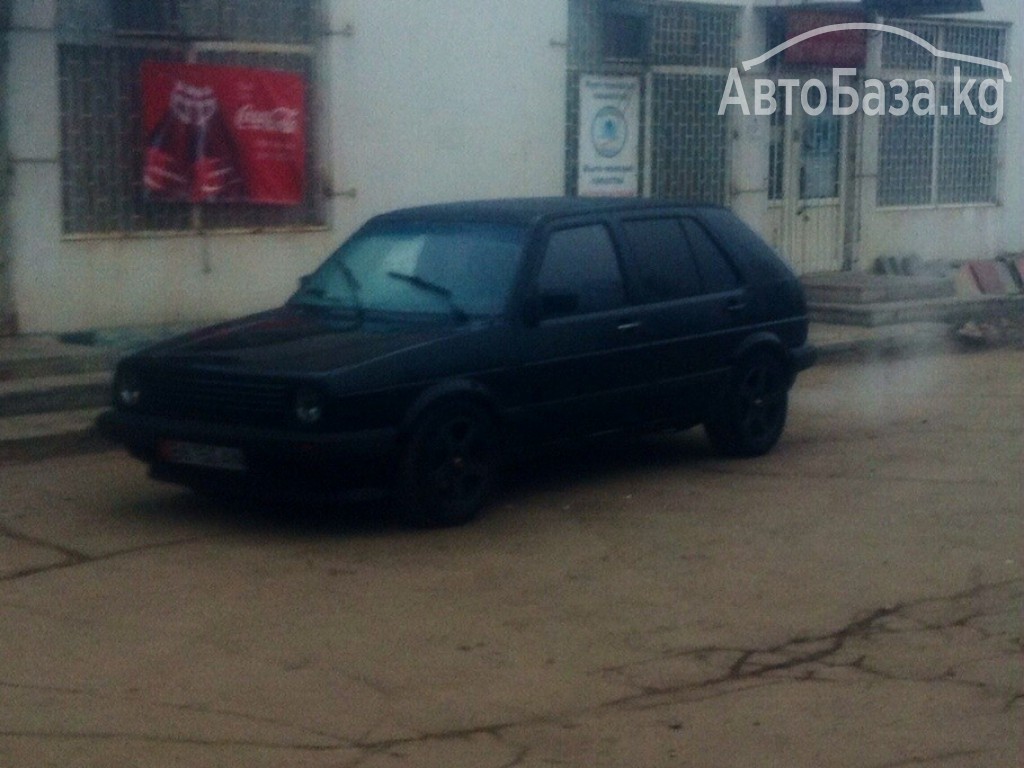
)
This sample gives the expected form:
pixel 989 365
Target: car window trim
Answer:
pixel 730 260
pixel 677 215
pixel 618 247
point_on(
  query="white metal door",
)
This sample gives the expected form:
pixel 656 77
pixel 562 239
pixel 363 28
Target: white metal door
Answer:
pixel 807 186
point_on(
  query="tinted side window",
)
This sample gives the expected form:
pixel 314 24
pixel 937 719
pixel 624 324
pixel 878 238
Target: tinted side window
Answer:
pixel 580 273
pixel 667 270
pixel 716 270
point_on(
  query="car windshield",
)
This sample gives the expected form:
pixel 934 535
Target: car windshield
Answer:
pixel 455 270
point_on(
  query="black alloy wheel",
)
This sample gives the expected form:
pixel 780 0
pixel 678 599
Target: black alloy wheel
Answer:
pixel 753 415
pixel 449 465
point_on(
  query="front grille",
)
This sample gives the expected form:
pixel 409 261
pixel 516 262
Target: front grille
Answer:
pixel 217 397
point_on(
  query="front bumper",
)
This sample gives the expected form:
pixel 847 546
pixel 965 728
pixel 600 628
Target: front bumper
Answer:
pixel 272 456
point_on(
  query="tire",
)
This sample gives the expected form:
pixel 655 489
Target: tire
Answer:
pixel 753 415
pixel 448 466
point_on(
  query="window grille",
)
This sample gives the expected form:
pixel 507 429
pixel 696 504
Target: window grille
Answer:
pixel 940 159
pixel 102 44
pixel 686 35
pixel 777 156
pixel 689 139
pixel 689 51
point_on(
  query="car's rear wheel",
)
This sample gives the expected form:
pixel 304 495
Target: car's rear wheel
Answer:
pixel 753 414
pixel 449 465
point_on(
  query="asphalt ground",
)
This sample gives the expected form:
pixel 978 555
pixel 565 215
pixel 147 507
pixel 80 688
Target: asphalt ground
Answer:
pixel 851 599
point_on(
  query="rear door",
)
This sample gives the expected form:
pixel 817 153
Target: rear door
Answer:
pixel 694 305
pixel 579 353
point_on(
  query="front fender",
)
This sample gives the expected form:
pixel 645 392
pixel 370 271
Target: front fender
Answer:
pixel 446 391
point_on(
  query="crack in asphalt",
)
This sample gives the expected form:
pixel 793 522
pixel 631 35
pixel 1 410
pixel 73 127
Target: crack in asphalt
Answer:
pixel 72 558
pixel 150 738
pixel 802 654
pixel 374 748
pixel 71 555
pixel 870 474
pixel 937 758
pixel 797 660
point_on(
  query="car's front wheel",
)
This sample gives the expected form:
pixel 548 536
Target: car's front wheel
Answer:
pixel 449 465
pixel 751 418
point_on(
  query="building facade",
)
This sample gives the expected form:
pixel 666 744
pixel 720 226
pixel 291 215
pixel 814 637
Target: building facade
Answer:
pixel 407 103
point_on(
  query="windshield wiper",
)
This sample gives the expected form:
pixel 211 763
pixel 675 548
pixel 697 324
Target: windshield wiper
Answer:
pixel 438 290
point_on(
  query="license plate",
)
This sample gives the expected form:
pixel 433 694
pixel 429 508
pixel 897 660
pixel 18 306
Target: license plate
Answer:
pixel 198 455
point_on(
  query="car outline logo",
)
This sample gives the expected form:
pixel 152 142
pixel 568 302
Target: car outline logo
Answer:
pixel 872 27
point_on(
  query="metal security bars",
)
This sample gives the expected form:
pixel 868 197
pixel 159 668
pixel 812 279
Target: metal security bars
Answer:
pixel 937 156
pixel 689 140
pixel 102 44
pixel 683 72
pixel 250 21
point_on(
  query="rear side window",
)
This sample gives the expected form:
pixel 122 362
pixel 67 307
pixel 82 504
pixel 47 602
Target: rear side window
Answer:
pixel 753 254
pixel 716 271
pixel 663 260
pixel 580 273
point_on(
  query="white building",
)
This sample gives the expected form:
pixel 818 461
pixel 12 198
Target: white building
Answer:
pixel 419 101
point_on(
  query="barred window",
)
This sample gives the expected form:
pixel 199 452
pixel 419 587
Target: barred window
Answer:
pixel 686 55
pixel 102 45
pixel 937 159
pixel 689 140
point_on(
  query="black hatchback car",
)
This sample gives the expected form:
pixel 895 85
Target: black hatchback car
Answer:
pixel 437 339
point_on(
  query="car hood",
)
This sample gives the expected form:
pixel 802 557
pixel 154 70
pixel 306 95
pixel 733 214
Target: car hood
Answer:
pixel 294 341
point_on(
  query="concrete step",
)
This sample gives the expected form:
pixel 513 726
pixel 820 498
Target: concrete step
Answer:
pixel 42 394
pixel 953 310
pixel 862 288
pixel 38 436
pixel 24 358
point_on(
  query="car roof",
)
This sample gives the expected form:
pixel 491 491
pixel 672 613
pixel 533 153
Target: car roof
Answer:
pixel 529 210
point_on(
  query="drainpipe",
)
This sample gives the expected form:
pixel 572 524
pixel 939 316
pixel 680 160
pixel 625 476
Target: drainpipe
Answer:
pixel 8 321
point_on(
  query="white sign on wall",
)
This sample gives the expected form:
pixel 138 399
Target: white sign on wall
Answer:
pixel 609 142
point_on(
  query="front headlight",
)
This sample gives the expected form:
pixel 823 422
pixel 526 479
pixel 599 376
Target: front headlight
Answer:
pixel 127 389
pixel 309 405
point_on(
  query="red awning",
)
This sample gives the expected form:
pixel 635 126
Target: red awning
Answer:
pixel 892 9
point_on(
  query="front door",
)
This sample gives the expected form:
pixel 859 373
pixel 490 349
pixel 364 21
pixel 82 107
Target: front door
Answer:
pixel 579 367
pixel 807 186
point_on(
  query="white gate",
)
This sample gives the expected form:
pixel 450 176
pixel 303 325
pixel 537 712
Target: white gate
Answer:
pixel 808 188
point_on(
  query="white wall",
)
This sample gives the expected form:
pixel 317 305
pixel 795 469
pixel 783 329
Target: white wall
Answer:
pixel 953 233
pixel 420 101
pixel 444 99
pixel 941 233
pixel 424 101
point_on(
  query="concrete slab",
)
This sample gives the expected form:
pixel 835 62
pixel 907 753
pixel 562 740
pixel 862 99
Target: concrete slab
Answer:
pixel 949 310
pixel 54 393
pixel 38 355
pixel 993 278
pixel 864 288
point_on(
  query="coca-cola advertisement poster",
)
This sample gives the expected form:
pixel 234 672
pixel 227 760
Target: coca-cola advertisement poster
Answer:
pixel 222 134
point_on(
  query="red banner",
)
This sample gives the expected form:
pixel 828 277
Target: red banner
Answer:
pixel 844 48
pixel 223 134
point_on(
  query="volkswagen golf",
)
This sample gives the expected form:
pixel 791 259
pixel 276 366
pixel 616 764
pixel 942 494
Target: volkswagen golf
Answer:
pixel 436 340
